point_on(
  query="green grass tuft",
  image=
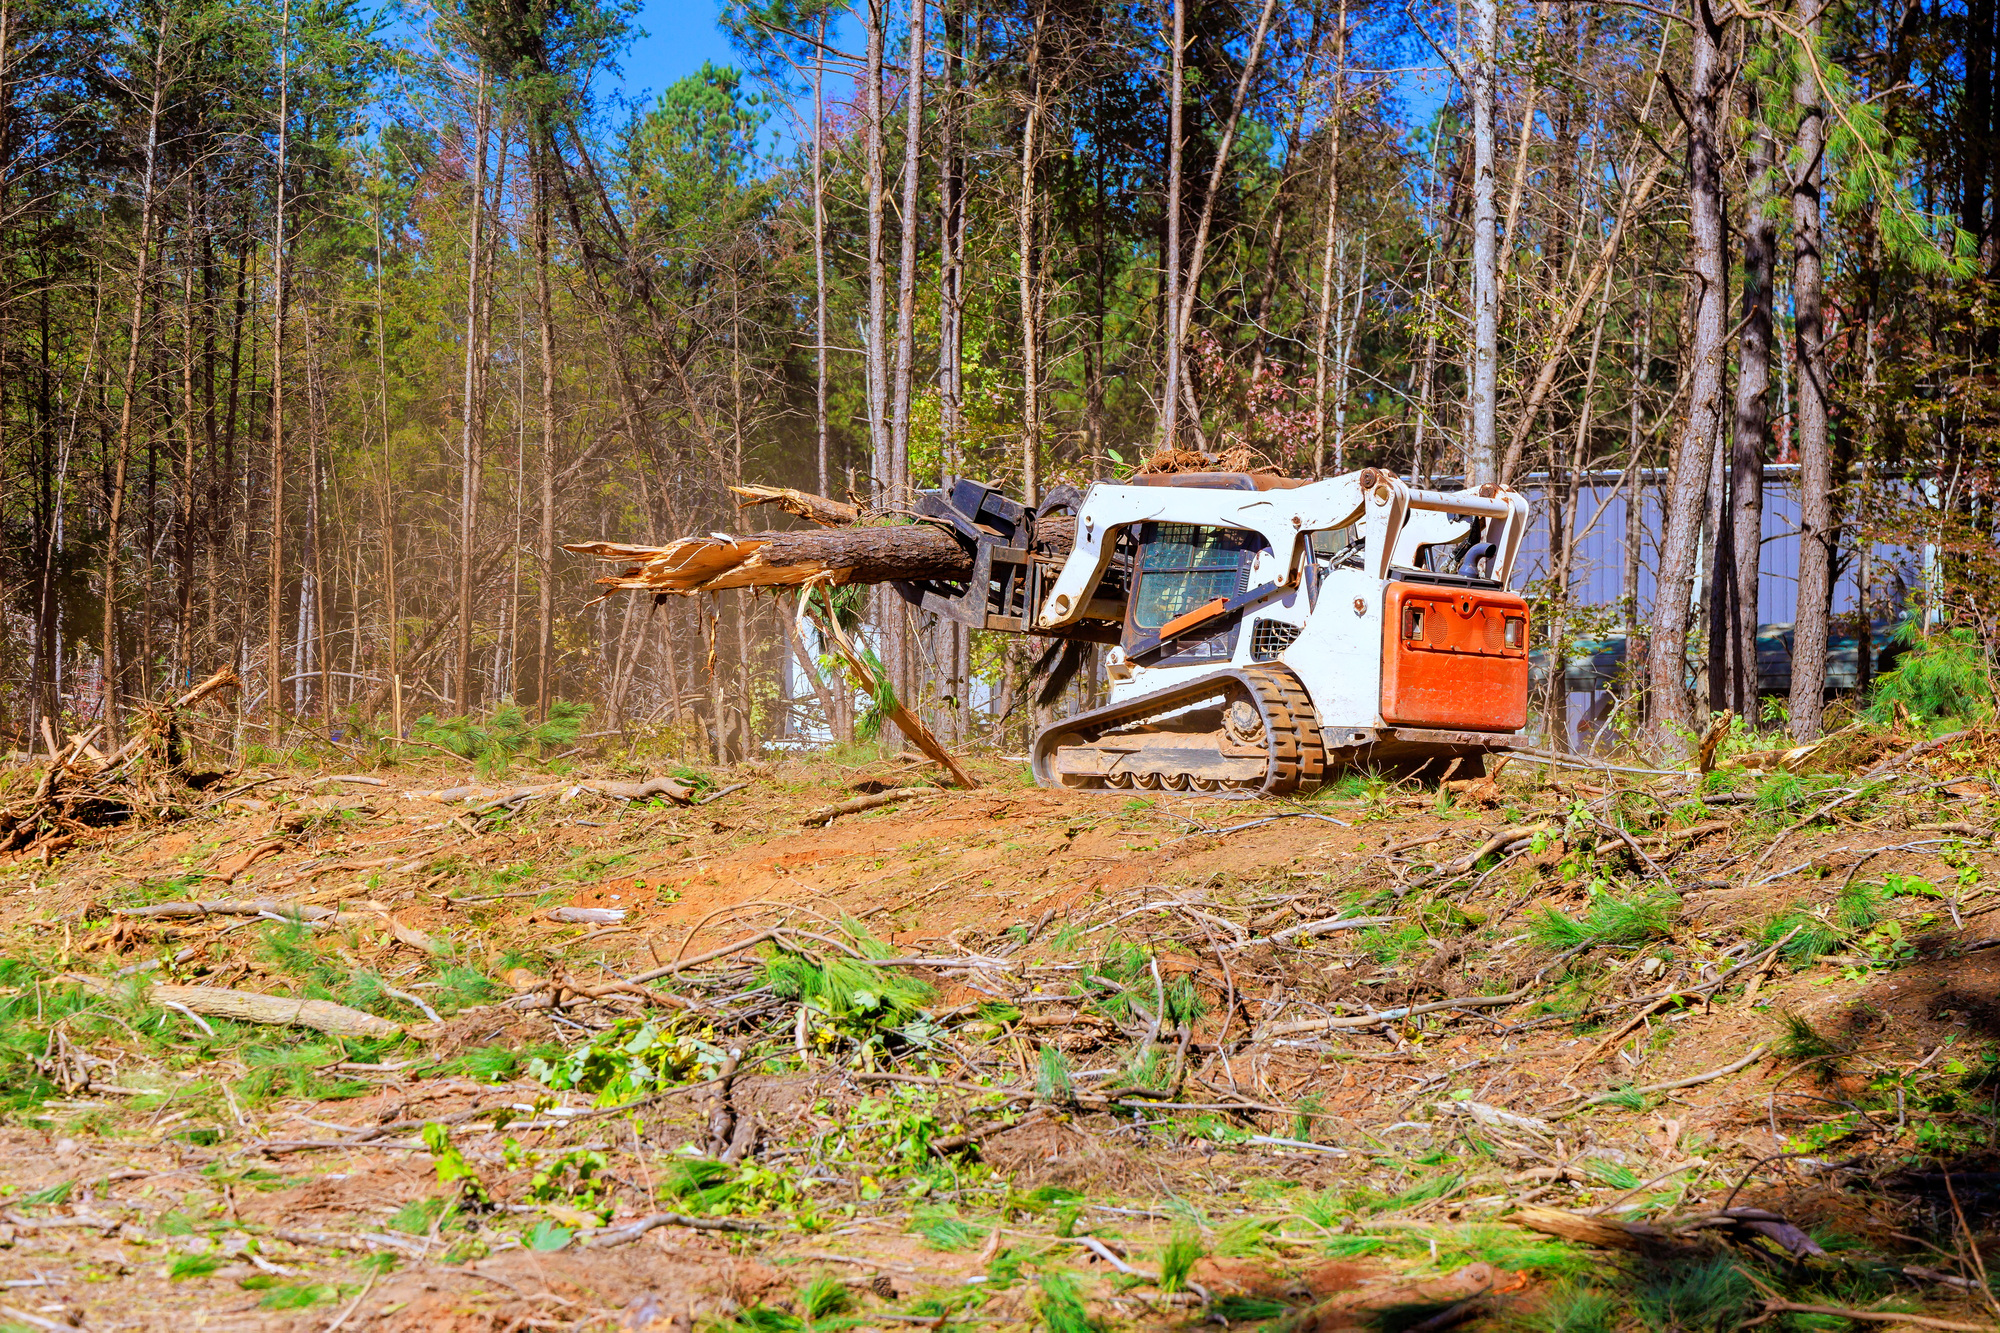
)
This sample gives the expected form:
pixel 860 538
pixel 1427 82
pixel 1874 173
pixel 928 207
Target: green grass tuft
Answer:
pixel 946 1231
pixel 1059 1306
pixel 1053 1080
pixel 823 1295
pixel 1699 1294
pixel 1814 937
pixel 1245 1309
pixel 1177 1260
pixel 1575 1307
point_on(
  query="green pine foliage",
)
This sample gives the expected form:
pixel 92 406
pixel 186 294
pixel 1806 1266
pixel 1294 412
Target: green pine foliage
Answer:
pixel 509 731
pixel 1942 677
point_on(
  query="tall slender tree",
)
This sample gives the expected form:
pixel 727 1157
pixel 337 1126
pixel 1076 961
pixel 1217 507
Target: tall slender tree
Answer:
pixel 1816 512
pixel 1669 707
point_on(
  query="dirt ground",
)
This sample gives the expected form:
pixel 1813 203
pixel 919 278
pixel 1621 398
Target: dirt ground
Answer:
pixel 1008 1056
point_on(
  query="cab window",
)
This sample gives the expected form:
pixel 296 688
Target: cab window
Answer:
pixel 1181 566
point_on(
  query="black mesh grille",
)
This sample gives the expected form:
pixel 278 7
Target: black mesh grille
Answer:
pixel 1271 637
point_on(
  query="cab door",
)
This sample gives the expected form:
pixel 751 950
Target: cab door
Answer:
pixel 1182 567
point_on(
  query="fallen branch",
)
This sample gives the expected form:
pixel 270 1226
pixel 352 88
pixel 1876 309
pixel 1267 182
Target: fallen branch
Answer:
pixel 813 508
pixel 1314 929
pixel 1921 748
pixel 1693 1080
pixel 827 814
pixel 633 1230
pixel 229 907
pixel 336 1020
pixel 1494 843
pixel 1390 1015
pixel 867 671
pixel 1584 761
pixel 638 791
pixel 1603 1232
pixel 1774 1307
pixel 682 964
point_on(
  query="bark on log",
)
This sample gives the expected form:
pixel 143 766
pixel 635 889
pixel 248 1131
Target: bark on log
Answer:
pixel 785 559
pixel 336 1020
pixel 813 508
pixel 1603 1232
pixel 831 555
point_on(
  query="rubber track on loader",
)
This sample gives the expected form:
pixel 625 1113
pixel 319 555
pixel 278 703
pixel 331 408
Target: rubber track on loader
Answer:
pixel 1296 754
pixel 1291 728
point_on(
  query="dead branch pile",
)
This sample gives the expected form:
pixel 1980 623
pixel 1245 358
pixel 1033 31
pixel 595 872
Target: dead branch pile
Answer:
pixel 81 788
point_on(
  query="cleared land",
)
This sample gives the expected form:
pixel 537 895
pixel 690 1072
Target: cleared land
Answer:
pixel 1521 1052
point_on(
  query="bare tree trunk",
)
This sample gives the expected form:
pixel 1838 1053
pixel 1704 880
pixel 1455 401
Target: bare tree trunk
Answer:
pixel 134 329
pixel 1570 484
pixel 273 605
pixel 1670 712
pixel 1343 361
pixel 1816 523
pixel 390 612
pixel 471 408
pixel 951 246
pixel 906 278
pixel 1170 391
pixel 1508 236
pixel 819 255
pixel 312 651
pixel 882 463
pixel 1752 426
pixel 718 710
pixel 1192 287
pixel 1031 385
pixel 1635 498
pixel 888 612
pixel 184 530
pixel 541 145
pixel 1718 578
pixel 1482 458
pixel 1327 293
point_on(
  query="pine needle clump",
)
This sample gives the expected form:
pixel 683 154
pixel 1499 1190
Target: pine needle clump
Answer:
pixel 507 732
pixel 1609 920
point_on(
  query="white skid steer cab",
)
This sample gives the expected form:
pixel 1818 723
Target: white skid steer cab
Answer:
pixel 1262 632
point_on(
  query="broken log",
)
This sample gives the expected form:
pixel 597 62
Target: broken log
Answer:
pixel 875 552
pixel 1606 1233
pixel 336 1020
pixel 813 508
pixel 785 559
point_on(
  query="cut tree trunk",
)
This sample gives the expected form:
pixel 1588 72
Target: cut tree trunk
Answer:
pixel 793 559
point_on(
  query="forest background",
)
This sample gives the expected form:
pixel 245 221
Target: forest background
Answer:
pixel 322 328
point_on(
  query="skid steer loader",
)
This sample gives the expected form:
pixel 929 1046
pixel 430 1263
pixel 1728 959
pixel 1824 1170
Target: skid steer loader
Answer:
pixel 1261 631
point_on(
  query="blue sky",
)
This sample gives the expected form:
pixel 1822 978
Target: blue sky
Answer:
pixel 680 34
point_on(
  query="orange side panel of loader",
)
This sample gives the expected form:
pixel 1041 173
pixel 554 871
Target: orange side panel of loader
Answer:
pixel 1454 658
